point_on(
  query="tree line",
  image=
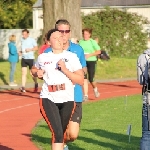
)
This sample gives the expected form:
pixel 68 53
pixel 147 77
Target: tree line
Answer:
pixel 16 14
pixel 120 32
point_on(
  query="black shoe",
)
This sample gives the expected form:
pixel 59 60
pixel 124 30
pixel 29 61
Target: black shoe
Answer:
pixel 23 89
pixel 36 88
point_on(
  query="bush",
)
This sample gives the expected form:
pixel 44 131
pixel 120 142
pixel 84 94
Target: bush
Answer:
pixel 16 14
pixel 120 32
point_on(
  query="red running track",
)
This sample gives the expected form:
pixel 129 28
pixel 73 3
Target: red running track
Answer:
pixel 19 112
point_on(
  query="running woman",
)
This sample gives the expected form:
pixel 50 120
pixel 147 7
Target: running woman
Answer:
pixel 60 70
pixel 91 50
pixel 74 124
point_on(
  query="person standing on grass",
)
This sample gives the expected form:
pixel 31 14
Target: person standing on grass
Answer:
pixel 13 59
pixel 28 47
pixel 60 70
pixel 74 124
pixel 91 50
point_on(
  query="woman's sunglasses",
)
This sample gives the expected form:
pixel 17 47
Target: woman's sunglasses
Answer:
pixel 64 31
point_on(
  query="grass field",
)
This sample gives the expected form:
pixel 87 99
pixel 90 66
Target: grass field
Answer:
pixel 104 126
pixel 4 73
pixel 115 68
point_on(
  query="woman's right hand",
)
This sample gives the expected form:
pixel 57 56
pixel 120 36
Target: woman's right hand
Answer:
pixel 40 73
pixel 19 53
pixel 87 56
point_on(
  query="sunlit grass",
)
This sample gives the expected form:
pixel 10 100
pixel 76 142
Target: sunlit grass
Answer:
pixel 104 126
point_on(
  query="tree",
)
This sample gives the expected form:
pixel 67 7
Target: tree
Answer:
pixel 120 32
pixel 16 14
pixel 62 9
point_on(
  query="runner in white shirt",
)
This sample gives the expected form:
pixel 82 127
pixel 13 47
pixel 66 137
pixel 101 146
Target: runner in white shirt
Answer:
pixel 59 70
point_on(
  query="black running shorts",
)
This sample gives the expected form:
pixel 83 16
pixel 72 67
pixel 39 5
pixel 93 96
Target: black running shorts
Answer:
pixel 77 115
pixel 27 62
pixel 57 116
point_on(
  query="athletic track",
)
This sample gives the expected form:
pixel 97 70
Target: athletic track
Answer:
pixel 19 112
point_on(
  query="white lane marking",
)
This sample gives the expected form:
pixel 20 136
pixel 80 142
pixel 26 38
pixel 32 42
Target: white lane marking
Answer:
pixel 117 91
pixel 15 99
pixel 18 107
pixel 120 91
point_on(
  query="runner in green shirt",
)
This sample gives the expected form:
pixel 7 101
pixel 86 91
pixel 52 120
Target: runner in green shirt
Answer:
pixel 91 50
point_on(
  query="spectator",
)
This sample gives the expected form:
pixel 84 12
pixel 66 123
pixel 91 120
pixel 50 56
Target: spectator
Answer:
pixel 13 59
pixel 91 50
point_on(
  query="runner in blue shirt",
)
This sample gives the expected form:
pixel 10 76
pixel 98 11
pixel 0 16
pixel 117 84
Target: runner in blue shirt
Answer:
pixel 73 128
pixel 28 47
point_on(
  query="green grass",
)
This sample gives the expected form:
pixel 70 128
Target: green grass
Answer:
pixel 4 73
pixel 104 126
pixel 115 68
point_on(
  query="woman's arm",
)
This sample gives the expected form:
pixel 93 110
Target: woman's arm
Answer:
pixel 12 49
pixel 94 53
pixel 97 52
pixel 77 76
pixel 36 69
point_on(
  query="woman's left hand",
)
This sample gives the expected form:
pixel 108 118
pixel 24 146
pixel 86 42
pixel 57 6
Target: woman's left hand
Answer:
pixel 61 65
pixel 87 56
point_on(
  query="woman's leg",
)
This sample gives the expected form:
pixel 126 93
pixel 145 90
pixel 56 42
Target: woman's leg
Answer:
pixel 66 112
pixel 91 74
pixel 50 112
pixel 85 86
pixel 10 75
pixel 12 71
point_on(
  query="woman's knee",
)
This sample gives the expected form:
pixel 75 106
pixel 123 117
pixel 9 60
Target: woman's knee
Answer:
pixel 13 67
pixel 73 134
pixel 73 130
pixel 91 79
pixel 91 76
pixel 24 71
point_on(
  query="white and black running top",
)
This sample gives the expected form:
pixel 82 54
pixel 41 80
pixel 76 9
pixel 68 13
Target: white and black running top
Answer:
pixel 54 76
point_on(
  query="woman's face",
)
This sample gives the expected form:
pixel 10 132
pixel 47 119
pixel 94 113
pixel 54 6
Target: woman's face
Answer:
pixel 56 40
pixel 86 35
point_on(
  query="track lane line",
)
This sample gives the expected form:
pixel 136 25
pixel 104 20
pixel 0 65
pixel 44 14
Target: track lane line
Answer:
pixel 17 107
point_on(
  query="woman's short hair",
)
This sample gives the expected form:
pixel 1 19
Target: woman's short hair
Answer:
pixel 87 30
pixel 12 38
pixel 49 33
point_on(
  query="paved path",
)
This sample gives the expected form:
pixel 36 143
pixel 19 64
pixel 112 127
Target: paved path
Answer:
pixel 19 112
